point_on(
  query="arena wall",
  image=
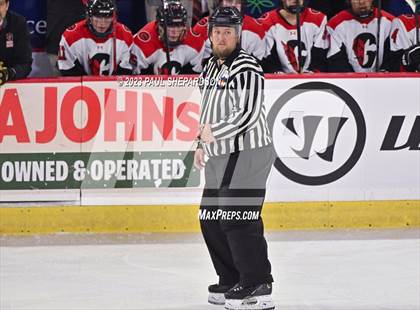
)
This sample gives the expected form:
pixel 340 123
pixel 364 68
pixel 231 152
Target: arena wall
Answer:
pixel 115 154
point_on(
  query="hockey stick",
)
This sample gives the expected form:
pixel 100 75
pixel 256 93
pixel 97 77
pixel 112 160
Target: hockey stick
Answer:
pixel 378 34
pixel 165 37
pixel 416 16
pixel 299 38
pixel 114 44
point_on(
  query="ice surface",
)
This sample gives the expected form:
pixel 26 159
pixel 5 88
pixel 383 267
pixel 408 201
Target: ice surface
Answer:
pixel 331 272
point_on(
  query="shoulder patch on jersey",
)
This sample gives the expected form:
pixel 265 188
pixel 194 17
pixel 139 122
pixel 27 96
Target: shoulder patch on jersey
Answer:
pixel 315 11
pixel 200 28
pixel 314 17
pixel 150 41
pixel 124 34
pixel 258 22
pixel 144 36
pixel 203 22
pixel 408 16
pixel 388 15
pixel 125 28
pixel 268 19
pixel 408 21
pixel 264 16
pixel 194 34
pixel 193 41
pixel 76 32
pixel 72 27
pixel 251 24
pixel 340 18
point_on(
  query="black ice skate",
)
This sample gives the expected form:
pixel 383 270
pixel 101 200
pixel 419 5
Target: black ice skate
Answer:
pixel 257 297
pixel 216 293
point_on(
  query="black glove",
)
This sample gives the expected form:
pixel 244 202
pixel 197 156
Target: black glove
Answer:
pixel 4 74
pixel 411 58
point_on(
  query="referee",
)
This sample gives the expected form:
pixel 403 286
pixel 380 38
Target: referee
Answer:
pixel 235 137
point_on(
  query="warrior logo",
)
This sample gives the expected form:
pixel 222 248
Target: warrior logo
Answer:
pixel 316 144
pixel 364 47
pixel 310 126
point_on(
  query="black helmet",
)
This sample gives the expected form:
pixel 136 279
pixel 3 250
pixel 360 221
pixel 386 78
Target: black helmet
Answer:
pixel 227 17
pixel 296 8
pixel 100 8
pixel 103 8
pixel 174 12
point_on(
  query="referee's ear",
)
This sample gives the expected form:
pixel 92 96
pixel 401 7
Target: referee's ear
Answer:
pixel 211 35
pixel 238 35
pixel 211 39
pixel 238 38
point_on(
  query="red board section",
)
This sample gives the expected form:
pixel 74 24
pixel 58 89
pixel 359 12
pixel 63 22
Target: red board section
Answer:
pixel 268 76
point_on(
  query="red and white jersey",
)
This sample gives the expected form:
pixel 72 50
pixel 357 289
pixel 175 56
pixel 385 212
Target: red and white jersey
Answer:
pixel 149 52
pixel 252 39
pixel 95 55
pixel 403 32
pixel 283 37
pixel 358 37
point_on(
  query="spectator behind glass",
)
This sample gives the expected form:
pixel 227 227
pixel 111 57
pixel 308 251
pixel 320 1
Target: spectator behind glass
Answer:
pixel 15 46
pixel 354 39
pixel 98 45
pixel 60 15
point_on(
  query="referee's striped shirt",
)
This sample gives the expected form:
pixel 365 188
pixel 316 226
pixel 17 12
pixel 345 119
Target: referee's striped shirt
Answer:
pixel 233 103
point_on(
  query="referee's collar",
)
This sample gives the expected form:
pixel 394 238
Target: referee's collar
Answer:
pixel 229 60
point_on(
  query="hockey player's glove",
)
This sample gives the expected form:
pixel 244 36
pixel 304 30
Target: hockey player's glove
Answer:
pixel 411 58
pixel 4 74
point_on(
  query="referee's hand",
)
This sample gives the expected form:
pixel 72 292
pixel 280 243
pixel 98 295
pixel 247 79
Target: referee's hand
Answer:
pixel 199 162
pixel 206 134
